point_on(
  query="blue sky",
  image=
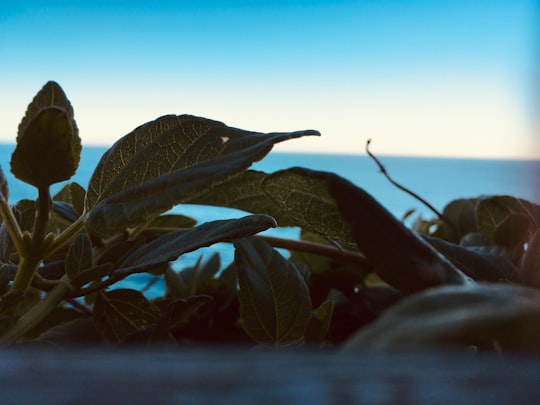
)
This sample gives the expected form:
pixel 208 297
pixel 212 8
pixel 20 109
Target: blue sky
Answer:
pixel 438 78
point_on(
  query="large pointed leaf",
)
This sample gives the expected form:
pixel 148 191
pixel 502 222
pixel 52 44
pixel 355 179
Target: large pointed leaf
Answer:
pixel 274 299
pixel 504 315
pixel 119 313
pixel 48 144
pixel 305 199
pixel 164 162
pixel 244 192
pixel 141 203
pixel 332 206
pixel 173 244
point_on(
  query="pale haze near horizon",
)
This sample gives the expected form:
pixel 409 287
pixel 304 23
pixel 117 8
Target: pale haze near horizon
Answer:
pixel 419 78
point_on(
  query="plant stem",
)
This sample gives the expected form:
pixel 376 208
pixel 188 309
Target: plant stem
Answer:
pixel 32 248
pixel 316 249
pixel 37 313
pixel 28 266
pixel 301 246
pixel 44 206
pixel 402 188
pixel 12 225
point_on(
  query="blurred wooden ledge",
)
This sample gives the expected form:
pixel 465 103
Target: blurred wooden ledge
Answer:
pixel 36 376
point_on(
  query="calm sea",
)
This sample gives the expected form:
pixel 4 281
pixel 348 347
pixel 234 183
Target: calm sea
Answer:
pixel 437 180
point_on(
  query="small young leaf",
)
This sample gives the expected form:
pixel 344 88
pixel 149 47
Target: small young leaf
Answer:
pixel 119 313
pixel 179 312
pixel 175 283
pixel 72 194
pixel 319 323
pixel 79 256
pixel 274 299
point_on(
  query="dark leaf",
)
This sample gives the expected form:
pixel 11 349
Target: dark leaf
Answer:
pixel 176 285
pixel 304 198
pixel 6 244
pixel 530 268
pixel 179 312
pixel 5 278
pixel 244 192
pixel 460 214
pixel 359 310
pixel 79 256
pixel 24 211
pixel 65 211
pixel 166 162
pixel 51 95
pixel 399 256
pixel 512 230
pixel 173 244
pixel 92 274
pixel 119 313
pixel 171 221
pixel 274 299
pixel 499 315
pixel 57 317
pixel 189 281
pixel 72 194
pixel 503 220
pixel 479 266
pixel 48 145
pixel 79 332
pixel 319 323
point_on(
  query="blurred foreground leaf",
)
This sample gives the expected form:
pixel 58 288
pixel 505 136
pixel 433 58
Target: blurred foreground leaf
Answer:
pixel 485 315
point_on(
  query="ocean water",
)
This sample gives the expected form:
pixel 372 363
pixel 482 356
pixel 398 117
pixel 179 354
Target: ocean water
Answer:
pixel 437 180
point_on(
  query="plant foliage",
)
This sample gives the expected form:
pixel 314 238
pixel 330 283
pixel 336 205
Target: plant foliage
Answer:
pixel 358 278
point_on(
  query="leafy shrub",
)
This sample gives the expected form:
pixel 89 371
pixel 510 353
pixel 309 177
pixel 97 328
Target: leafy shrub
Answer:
pixel 358 278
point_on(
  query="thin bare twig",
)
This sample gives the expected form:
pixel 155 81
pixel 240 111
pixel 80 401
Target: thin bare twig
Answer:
pixel 403 188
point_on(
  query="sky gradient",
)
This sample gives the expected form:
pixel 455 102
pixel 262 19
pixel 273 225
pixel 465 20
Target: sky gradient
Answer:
pixel 445 78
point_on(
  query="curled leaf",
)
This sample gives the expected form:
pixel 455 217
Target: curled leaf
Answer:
pixel 48 144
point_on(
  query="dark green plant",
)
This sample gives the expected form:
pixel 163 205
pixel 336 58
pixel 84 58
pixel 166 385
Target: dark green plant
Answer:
pixel 354 275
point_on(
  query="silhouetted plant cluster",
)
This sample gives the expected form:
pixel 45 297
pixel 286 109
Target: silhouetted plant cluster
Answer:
pixel 358 278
